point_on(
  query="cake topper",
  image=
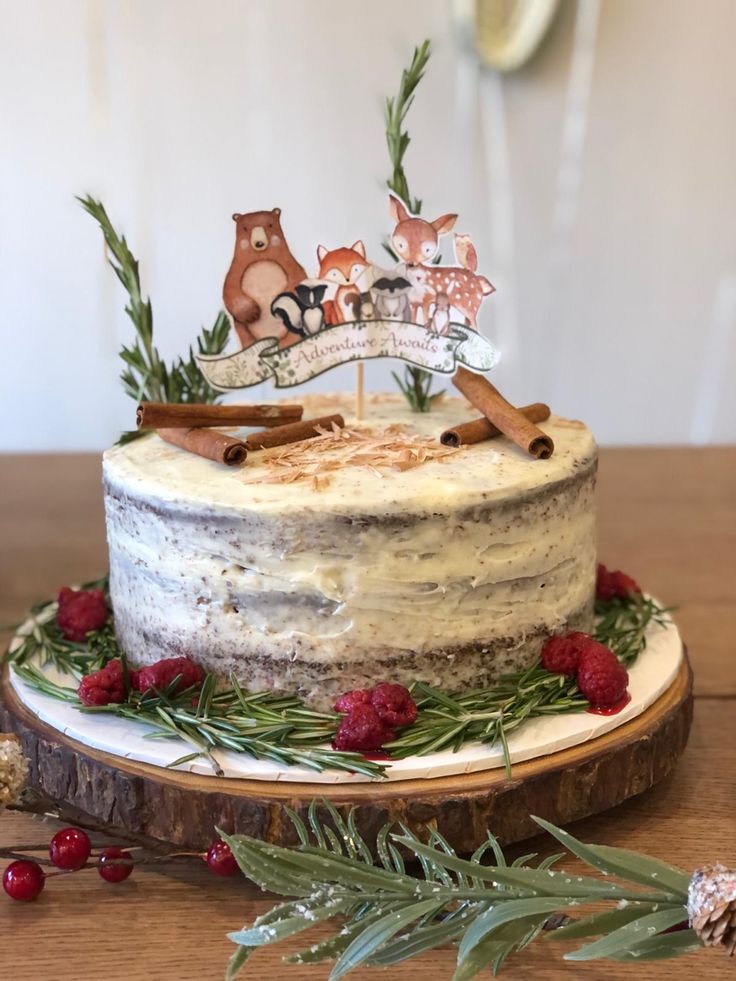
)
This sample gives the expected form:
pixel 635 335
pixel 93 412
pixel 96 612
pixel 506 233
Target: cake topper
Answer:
pixel 293 327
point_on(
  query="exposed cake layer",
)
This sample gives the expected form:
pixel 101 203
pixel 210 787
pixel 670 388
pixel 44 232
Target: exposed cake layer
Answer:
pixel 452 571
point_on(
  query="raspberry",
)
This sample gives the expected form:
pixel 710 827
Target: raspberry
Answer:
pixel 601 676
pixel 362 729
pixel 614 585
pixel 81 611
pixel 393 705
pixel 625 585
pixel 162 673
pixel 561 654
pixel 104 686
pixel 351 699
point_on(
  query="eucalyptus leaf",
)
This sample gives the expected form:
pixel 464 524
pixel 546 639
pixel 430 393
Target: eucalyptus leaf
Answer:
pixel 332 947
pixel 526 882
pixel 662 947
pixel 237 962
pixel 266 872
pixel 378 933
pixel 601 923
pixel 631 866
pixel 494 949
pixel 241 955
pixel 422 939
pixel 312 912
pixel 627 937
pixel 502 913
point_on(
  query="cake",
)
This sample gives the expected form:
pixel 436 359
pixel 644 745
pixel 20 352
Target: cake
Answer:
pixel 368 554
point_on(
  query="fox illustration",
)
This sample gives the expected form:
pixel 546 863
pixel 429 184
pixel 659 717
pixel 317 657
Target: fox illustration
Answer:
pixel 343 268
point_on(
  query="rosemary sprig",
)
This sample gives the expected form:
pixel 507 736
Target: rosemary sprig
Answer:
pixel 417 383
pixel 146 375
pixel 387 915
pixel 622 624
pixel 395 112
pixel 486 715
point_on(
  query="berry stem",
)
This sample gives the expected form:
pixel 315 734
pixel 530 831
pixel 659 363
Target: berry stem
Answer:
pixel 21 852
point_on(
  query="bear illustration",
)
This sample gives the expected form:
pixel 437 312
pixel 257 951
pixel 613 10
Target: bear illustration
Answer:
pixel 262 267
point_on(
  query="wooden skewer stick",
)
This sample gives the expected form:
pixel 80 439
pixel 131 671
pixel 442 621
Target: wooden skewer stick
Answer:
pixel 359 392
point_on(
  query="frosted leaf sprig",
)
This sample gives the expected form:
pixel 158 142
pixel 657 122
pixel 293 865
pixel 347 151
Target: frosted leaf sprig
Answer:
pixel 385 915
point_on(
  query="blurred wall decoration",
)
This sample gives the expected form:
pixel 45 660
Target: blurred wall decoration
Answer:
pixel 596 181
pixel 505 33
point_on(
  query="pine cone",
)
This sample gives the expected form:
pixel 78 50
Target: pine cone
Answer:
pixel 13 769
pixel 711 906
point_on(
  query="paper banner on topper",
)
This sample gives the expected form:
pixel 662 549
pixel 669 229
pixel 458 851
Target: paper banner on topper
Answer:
pixel 293 328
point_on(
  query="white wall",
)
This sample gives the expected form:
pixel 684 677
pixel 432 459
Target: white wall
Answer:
pixel 598 184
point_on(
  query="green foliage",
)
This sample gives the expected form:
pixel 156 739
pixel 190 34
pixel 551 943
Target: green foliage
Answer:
pixel 622 623
pixel 145 375
pixel 385 915
pixel 395 112
pixel 416 383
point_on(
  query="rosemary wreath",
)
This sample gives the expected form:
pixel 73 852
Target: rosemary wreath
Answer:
pixel 282 728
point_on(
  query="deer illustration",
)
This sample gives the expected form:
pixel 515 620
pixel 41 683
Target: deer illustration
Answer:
pixel 416 242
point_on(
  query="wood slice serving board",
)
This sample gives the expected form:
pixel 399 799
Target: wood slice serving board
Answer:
pixel 184 808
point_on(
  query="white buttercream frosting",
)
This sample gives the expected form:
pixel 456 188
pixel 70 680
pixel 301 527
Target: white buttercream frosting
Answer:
pixel 453 570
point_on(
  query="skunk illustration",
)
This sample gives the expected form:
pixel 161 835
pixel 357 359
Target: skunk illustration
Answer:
pixel 301 311
pixel 366 310
pixel 390 296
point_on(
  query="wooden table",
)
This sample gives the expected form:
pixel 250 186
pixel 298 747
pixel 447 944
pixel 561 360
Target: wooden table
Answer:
pixel 668 516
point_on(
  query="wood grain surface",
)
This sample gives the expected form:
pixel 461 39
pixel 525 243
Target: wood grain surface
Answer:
pixel 668 516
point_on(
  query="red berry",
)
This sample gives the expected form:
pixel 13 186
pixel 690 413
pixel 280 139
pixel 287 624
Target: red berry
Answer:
pixel 351 699
pixel 24 880
pixel 69 849
pixel 625 585
pixel 601 676
pixel 162 673
pixel 561 654
pixel 220 858
pixel 81 611
pixel 394 705
pixel 110 866
pixel 362 729
pixel 104 686
pixel 614 585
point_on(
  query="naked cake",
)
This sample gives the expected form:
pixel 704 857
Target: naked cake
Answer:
pixel 369 553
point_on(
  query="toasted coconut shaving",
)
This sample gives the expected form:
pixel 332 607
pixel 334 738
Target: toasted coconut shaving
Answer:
pixel 315 460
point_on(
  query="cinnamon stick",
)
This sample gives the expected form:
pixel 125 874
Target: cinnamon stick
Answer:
pixel 173 415
pixel 292 433
pixel 208 443
pixel 480 429
pixel 504 416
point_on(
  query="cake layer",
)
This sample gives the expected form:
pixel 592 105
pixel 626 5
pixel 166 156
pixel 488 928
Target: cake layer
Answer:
pixel 452 570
